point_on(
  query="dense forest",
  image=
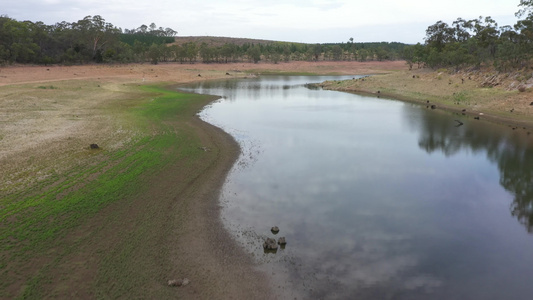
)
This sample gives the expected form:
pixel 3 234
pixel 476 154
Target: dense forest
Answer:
pixel 464 43
pixel 477 42
pixel 93 40
pixel 89 40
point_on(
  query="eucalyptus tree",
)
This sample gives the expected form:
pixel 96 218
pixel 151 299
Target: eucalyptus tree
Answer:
pixel 336 52
pixel 438 35
pixel 169 32
pixel 526 9
pixel 154 53
pixel 462 30
pixel 206 53
pixel 486 35
pixel 96 34
pixel 228 52
pixel 316 51
pixel 191 51
pixel 254 53
pixel 16 41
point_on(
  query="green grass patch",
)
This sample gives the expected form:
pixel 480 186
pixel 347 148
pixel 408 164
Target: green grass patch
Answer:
pixel 461 98
pixel 32 220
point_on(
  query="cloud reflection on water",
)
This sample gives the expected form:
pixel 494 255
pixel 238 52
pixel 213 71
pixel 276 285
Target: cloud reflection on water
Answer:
pixel 378 199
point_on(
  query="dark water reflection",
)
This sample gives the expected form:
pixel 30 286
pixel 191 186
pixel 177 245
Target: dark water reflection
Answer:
pixel 510 149
pixel 378 199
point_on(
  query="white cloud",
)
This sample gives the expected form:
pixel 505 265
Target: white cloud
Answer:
pixel 306 21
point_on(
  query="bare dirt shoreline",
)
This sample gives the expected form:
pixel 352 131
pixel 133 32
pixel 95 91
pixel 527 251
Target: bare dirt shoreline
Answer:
pixel 59 108
pixel 181 73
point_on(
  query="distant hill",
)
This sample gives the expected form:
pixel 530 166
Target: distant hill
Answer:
pixel 216 41
pixel 234 49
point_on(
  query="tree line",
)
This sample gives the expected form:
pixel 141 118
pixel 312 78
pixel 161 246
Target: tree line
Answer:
pixel 464 43
pixel 476 42
pixel 93 40
pixel 276 52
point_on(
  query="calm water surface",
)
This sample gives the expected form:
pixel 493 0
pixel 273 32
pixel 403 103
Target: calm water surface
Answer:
pixel 378 199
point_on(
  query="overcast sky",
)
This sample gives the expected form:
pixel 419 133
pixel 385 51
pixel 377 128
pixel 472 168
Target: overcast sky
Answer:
pixel 309 21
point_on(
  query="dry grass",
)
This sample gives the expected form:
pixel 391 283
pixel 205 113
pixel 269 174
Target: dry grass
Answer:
pixel 46 131
pixel 455 92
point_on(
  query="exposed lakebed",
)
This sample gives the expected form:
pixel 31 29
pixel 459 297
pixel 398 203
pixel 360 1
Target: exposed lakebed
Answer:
pixel 377 198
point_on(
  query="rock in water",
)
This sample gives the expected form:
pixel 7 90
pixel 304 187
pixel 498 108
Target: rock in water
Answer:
pixel 270 244
pixel 282 241
pixel 275 229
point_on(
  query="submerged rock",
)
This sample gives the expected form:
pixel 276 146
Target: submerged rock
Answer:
pixel 270 244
